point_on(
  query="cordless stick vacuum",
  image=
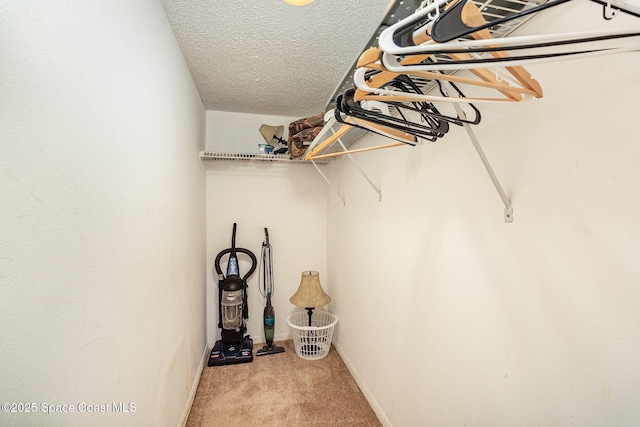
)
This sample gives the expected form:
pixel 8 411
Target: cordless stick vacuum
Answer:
pixel 234 346
pixel 267 290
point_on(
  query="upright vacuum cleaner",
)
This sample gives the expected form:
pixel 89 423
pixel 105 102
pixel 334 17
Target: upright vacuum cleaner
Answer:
pixel 234 346
pixel 267 290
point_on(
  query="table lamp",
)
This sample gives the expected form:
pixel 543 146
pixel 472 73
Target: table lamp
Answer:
pixel 310 293
pixel 269 133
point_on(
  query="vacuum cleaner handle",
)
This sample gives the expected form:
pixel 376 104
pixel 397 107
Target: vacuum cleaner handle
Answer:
pixel 254 262
pixel 222 253
pixel 232 254
pixel 233 240
pixel 216 263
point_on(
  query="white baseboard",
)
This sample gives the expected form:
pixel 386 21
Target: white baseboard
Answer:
pixel 363 387
pixel 194 387
pixel 259 339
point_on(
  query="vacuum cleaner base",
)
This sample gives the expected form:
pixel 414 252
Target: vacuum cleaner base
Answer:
pixel 274 349
pixel 227 354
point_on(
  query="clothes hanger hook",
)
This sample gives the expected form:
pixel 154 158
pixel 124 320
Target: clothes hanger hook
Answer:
pixel 609 12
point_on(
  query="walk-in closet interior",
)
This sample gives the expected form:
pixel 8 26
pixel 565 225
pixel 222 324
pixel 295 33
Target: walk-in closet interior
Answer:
pixel 470 200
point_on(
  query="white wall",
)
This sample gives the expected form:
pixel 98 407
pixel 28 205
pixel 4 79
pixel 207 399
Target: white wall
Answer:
pixel 448 315
pixel 102 214
pixel 229 132
pixel 289 199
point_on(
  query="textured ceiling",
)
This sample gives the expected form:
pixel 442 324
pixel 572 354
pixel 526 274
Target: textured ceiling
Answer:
pixel 268 57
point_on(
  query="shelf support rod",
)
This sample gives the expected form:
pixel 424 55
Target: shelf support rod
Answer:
pixel 361 171
pixel 338 139
pixel 344 203
pixel 508 209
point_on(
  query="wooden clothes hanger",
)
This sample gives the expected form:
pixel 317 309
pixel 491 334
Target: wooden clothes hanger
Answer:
pixel 487 79
pixel 383 94
pixel 450 24
pixel 317 150
pixel 474 23
pixel 403 132
pixel 471 15
pixel 427 110
pixel 319 146
pixel 508 61
pixel 430 126
pixel 468 20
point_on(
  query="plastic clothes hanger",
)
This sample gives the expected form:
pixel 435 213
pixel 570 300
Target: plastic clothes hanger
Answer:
pixel 429 130
pixel 319 146
pixel 316 150
pixel 401 34
pixel 388 45
pixel 458 120
pixel 449 25
pixel 486 79
pixel 428 112
pixel 392 64
pixel 469 14
pixel 382 94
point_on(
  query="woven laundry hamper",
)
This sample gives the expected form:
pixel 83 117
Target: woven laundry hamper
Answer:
pixel 312 342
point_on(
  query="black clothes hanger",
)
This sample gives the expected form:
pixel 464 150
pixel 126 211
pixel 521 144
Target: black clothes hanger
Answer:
pixel 433 123
pixel 449 25
pixel 346 105
pixel 428 112
pixel 375 122
pixel 430 128
pixel 455 22
pixel 405 84
pixel 375 127
pixel 432 111
pixel 511 60
pixel 433 49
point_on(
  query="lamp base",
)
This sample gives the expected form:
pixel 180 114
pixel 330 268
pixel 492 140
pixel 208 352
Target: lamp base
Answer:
pixel 310 313
pixel 309 349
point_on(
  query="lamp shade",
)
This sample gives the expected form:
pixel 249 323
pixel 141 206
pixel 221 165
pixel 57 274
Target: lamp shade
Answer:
pixel 298 2
pixel 310 292
pixel 269 132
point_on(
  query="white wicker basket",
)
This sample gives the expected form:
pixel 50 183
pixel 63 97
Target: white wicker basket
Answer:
pixel 312 342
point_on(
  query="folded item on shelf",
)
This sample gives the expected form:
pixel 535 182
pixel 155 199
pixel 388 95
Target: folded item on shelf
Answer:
pixel 302 132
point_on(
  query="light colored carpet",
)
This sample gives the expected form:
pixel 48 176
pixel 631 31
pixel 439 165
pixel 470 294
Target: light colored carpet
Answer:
pixel 281 390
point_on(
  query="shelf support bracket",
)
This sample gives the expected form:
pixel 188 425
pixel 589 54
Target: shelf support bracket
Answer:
pixel 344 203
pixel 375 187
pixel 508 209
pixel 344 148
